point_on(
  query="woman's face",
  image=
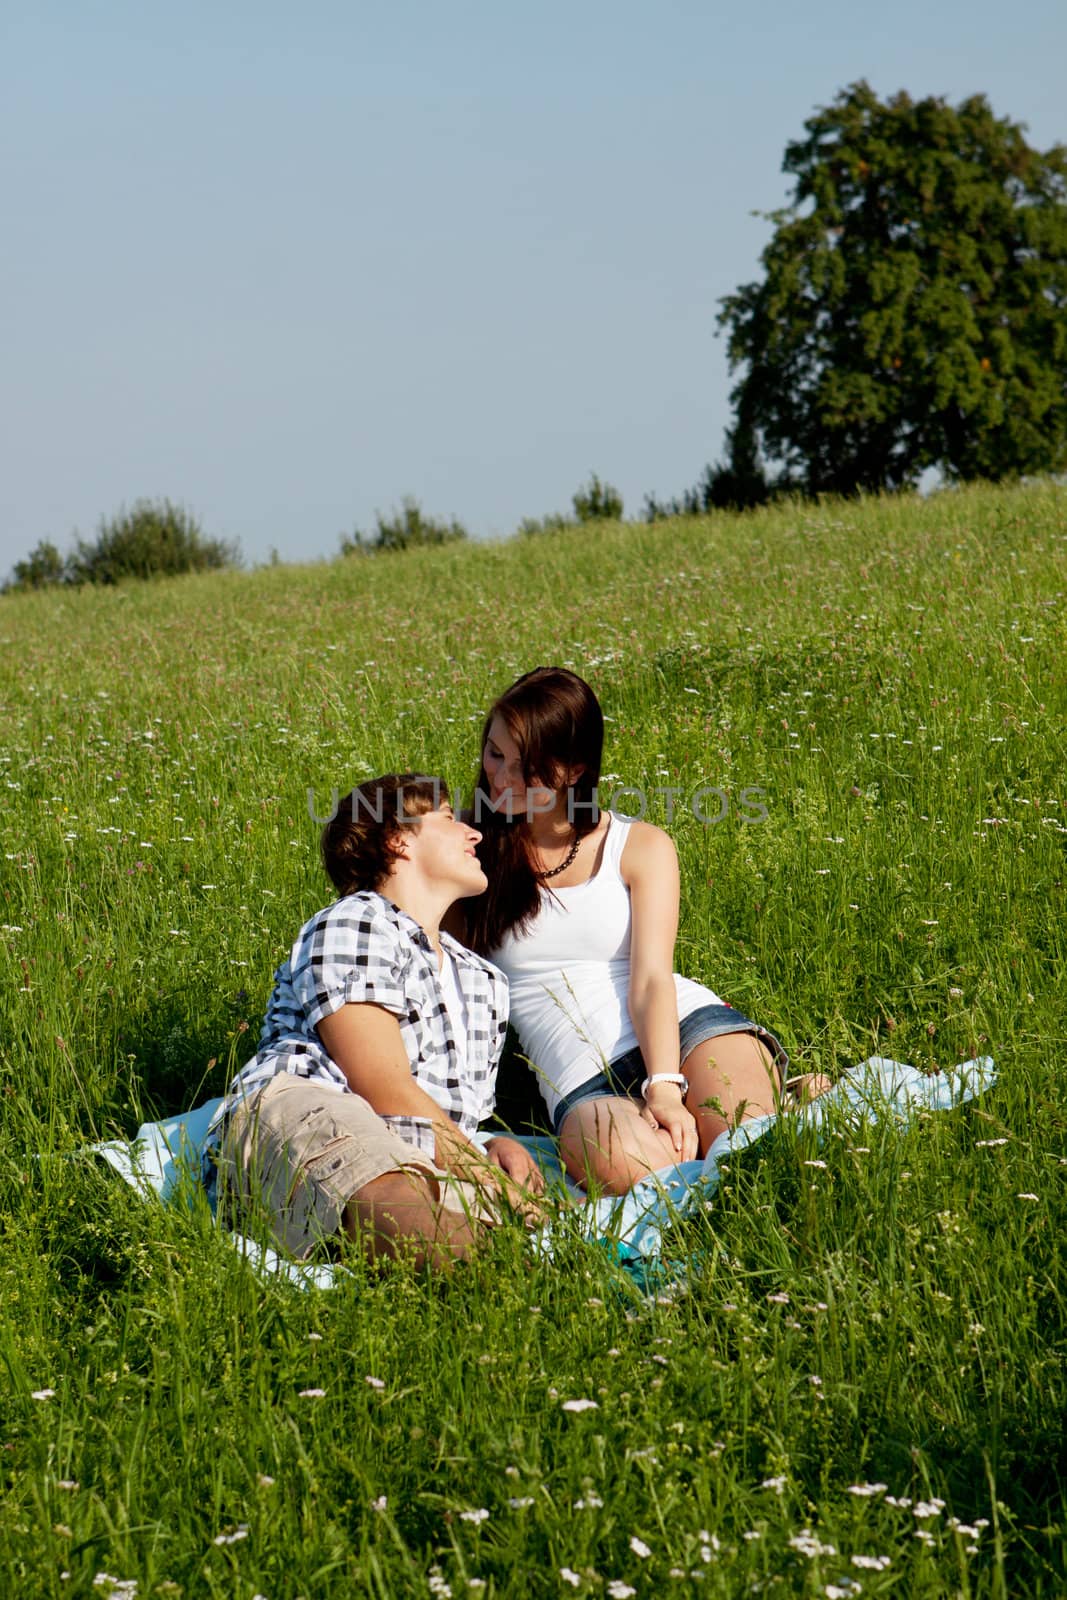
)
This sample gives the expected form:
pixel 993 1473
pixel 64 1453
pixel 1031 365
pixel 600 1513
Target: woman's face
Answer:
pixel 508 789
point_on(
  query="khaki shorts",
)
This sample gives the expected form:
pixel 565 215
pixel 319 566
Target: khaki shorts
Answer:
pixel 298 1152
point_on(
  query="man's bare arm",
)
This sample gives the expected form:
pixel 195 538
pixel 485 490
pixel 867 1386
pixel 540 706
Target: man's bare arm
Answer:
pixel 365 1042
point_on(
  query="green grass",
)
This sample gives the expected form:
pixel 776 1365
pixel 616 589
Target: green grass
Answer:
pixel 891 674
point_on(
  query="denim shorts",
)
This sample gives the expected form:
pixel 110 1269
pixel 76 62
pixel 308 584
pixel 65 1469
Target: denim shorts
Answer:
pixel 625 1075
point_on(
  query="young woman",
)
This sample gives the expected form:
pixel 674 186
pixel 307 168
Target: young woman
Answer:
pixel 639 1066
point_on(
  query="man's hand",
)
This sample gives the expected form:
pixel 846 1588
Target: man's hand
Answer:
pixel 514 1159
pixel 505 1169
pixel 664 1109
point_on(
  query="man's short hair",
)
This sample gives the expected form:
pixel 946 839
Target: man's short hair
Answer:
pixel 360 843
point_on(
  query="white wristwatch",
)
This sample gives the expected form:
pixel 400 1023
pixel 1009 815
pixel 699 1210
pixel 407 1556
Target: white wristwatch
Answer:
pixel 666 1077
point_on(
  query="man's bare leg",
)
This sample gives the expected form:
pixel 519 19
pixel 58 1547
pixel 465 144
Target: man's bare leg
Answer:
pixel 399 1214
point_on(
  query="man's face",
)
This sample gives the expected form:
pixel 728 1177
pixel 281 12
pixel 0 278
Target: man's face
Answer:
pixel 443 848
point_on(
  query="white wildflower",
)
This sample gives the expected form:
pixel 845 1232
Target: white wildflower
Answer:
pixel 777 1484
pixel 481 1515
pixel 808 1545
pixel 311 1394
pixel 865 1490
pixel 234 1536
pixel 872 1563
pixel 374 1383
pixel 570 1576
pixel 579 1405
pixel 619 1590
pixel 43 1394
pixel 639 1547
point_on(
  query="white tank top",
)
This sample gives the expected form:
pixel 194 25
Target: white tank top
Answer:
pixel 569 976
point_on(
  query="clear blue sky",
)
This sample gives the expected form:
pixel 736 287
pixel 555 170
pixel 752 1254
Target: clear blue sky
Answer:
pixel 286 264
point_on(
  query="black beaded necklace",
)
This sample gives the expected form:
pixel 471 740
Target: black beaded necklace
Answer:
pixel 564 864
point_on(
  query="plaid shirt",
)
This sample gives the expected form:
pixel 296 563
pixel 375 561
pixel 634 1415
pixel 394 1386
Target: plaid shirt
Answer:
pixel 364 949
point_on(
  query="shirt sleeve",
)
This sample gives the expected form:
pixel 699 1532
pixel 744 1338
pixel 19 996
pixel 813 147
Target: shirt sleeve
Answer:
pixel 349 953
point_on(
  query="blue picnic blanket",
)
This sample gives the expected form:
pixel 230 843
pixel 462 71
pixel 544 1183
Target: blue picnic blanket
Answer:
pixel 165 1156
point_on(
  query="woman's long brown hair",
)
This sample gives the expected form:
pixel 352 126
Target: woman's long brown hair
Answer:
pixel 555 719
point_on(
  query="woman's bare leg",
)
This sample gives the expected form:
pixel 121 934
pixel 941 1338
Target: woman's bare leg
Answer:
pixel 609 1143
pixel 738 1071
pixel 735 1070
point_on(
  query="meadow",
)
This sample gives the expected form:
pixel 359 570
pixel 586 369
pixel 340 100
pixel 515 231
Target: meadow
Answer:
pixel 861 1389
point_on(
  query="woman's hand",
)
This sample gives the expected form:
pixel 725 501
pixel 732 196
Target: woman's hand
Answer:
pixel 664 1109
pixel 516 1161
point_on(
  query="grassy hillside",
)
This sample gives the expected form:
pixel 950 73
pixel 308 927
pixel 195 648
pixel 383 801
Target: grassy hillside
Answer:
pixel 891 676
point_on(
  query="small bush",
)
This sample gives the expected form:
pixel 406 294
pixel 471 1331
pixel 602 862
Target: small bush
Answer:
pixel 153 539
pixel 401 530
pixel 593 502
pixel 739 483
pixel 597 502
pixel 41 569
pixel 533 527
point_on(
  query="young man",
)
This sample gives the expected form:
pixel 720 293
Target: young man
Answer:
pixel 379 1051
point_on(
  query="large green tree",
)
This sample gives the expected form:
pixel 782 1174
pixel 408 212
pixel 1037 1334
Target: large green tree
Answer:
pixel 913 309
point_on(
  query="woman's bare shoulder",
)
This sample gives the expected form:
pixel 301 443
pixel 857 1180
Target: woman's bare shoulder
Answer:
pixel 647 849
